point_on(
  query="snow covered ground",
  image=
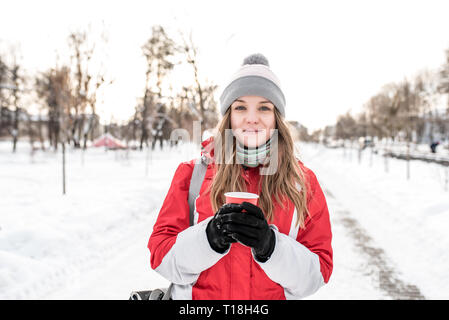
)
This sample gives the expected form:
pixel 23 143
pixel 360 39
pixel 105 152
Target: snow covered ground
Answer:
pixel 91 242
pixel 407 218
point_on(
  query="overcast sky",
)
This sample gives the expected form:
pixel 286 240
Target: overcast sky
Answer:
pixel 330 56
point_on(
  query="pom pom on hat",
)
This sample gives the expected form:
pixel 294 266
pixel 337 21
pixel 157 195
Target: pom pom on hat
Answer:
pixel 256 58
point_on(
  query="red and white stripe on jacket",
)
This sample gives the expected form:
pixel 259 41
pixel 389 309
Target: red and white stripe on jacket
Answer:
pixel 300 264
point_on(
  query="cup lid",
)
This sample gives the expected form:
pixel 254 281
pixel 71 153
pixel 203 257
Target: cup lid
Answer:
pixel 242 195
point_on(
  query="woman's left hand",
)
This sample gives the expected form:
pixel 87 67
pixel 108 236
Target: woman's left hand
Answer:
pixel 251 229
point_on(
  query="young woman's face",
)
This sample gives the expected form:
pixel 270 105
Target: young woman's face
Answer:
pixel 252 119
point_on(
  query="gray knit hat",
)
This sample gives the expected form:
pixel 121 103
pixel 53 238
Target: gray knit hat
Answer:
pixel 254 78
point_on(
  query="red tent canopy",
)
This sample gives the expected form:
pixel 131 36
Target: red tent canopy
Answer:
pixel 107 140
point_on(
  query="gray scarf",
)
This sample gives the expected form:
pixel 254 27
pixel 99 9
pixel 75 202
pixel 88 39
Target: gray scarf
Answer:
pixel 252 157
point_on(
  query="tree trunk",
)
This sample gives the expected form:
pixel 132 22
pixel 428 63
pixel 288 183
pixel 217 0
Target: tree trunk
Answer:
pixel 15 130
pixel 39 131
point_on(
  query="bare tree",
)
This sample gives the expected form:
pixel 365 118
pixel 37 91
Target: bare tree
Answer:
pixel 4 81
pixel 345 127
pixel 4 93
pixel 17 82
pixel 184 111
pixel 408 114
pixel 443 86
pixel 204 96
pixel 159 51
pixel 87 83
pixel 54 87
pixel 375 117
pixel 427 99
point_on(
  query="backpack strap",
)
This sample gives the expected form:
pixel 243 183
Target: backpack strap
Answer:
pixel 198 174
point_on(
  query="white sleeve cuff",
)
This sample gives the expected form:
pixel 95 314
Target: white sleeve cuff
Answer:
pixel 190 255
pixel 294 267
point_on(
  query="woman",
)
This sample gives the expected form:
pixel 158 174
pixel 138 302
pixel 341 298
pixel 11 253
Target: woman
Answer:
pixel 279 249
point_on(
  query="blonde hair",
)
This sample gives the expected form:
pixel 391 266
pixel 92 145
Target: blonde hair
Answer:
pixel 288 181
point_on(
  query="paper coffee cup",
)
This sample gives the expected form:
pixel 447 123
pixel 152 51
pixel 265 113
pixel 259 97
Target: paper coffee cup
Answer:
pixel 239 197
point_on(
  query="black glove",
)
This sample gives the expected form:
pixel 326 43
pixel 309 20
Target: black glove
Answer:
pixel 218 238
pixel 251 229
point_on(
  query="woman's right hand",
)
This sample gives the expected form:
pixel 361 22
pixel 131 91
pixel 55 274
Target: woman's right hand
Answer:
pixel 218 238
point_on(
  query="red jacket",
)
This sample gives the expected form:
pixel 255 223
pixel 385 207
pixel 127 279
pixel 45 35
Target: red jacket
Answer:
pixel 300 264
